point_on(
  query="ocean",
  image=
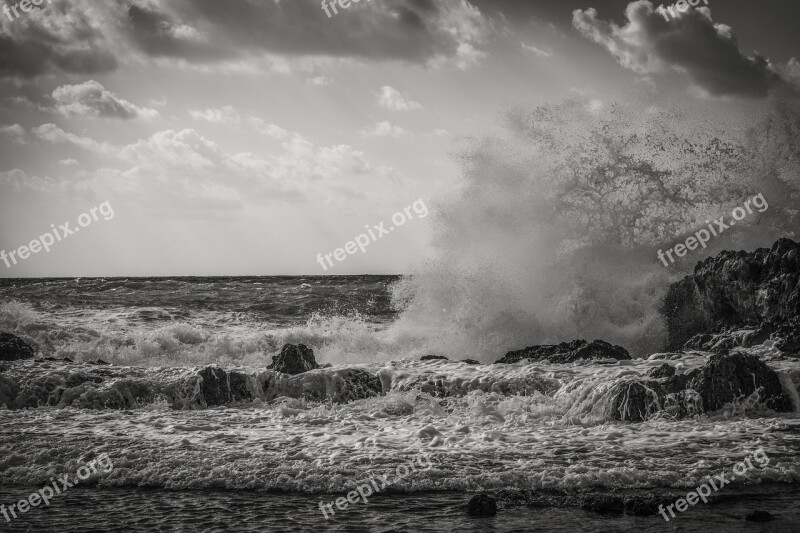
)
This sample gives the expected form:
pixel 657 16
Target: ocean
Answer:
pixel 538 436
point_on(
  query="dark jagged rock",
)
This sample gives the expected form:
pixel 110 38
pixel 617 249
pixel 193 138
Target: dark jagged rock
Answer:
pixel 683 313
pixel 568 352
pixel 359 384
pixel 734 289
pixel 759 516
pixel 9 390
pixel 470 361
pixel 664 371
pixel 724 378
pixel 219 387
pixel 12 348
pixel 635 401
pixel 482 505
pixel 294 359
pixel 788 334
pixel 678 382
pixel 433 358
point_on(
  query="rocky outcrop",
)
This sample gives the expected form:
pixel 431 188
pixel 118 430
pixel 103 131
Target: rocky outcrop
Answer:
pixel 12 348
pixel 726 378
pixel 433 358
pixel 219 387
pixel 635 401
pixel 294 359
pixel 664 371
pixel 567 352
pixel 734 289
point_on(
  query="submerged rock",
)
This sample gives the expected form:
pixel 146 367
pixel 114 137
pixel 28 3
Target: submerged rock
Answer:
pixel 725 378
pixel 12 348
pixel 759 516
pixel 294 359
pixel 482 505
pixel 568 352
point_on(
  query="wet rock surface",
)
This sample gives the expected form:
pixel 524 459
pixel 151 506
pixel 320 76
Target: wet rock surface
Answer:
pixel 294 359
pixel 568 352
pixel 726 378
pixel 756 291
pixel 12 348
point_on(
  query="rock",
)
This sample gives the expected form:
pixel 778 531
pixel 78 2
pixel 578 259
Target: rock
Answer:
pixel 683 313
pixel 12 348
pixel 568 352
pixel 664 371
pixel 294 359
pixel 358 384
pixel 724 378
pixel 759 516
pixel 219 387
pixel 736 288
pixel 634 401
pixel 433 358
pixel 788 335
pixel 8 392
pixel 677 382
pixel 470 361
pixel 482 505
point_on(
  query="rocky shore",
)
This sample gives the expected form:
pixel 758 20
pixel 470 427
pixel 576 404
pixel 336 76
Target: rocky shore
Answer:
pixel 738 313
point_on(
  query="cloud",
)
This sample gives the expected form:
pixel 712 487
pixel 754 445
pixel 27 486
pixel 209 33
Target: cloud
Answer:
pixel 393 100
pixel 217 115
pixel 415 31
pixel 92 99
pixel 54 134
pixel 193 171
pixel 14 133
pixel 541 52
pixel 692 43
pixel 228 115
pixel 319 81
pixel 65 37
pixel 385 129
pixel 87 37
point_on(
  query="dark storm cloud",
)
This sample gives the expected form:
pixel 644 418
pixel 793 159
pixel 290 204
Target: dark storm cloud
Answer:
pixel 88 37
pixel 692 43
pixel 53 41
pixel 203 30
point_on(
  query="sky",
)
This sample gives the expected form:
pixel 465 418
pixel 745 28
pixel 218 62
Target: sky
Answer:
pixel 252 137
